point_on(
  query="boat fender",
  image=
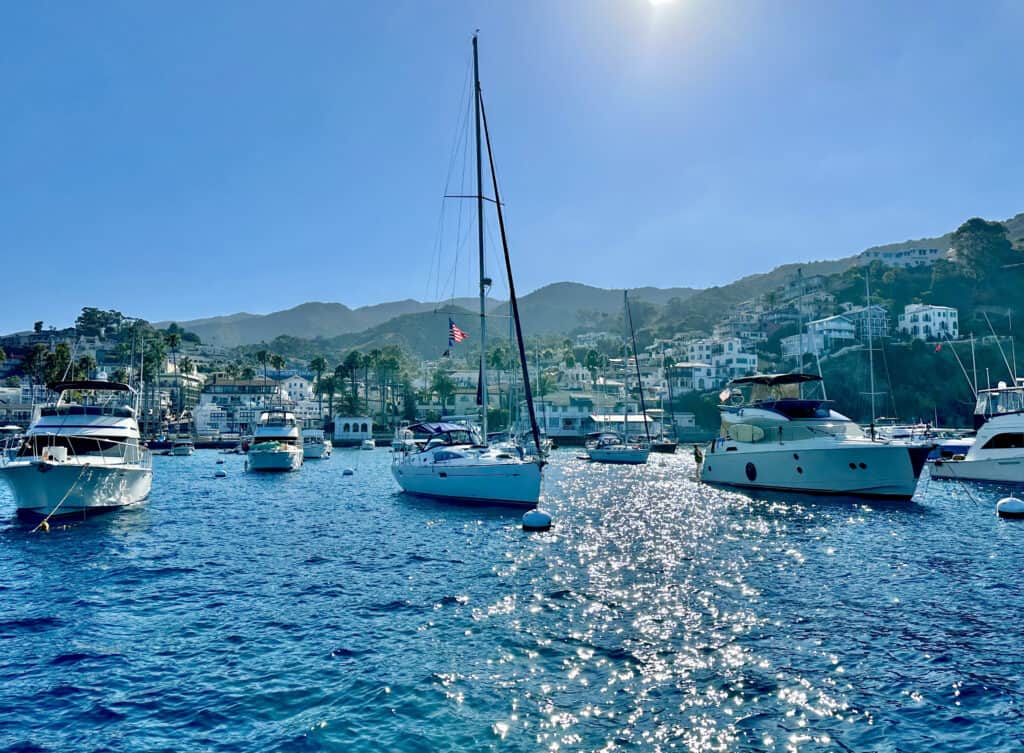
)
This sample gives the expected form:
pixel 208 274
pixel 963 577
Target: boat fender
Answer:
pixel 536 520
pixel 347 472
pixel 44 526
pixel 1010 507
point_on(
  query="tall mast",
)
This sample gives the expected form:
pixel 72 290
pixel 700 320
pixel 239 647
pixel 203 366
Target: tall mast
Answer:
pixel 480 243
pixel 513 301
pixel 871 351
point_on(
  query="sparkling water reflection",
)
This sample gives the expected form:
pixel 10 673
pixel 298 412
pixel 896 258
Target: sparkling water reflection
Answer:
pixel 314 611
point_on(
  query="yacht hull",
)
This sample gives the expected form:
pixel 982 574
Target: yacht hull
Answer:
pixel 503 483
pixel 182 451
pixel 316 451
pixel 998 470
pixel 620 456
pixel 275 460
pixel 864 469
pixel 39 486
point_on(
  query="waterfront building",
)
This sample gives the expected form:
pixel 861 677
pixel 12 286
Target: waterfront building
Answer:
pixel 925 322
pixel 350 431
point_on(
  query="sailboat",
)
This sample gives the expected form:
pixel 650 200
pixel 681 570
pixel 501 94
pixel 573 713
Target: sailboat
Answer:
pixel 456 462
pixel 664 443
pixel 609 447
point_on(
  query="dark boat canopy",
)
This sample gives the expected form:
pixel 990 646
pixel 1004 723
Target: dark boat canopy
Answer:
pixel 90 384
pixel 441 427
pixel 776 379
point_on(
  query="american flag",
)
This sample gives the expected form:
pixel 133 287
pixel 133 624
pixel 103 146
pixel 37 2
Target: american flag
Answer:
pixel 455 335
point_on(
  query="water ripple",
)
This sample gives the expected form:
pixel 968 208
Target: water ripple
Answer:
pixel 314 612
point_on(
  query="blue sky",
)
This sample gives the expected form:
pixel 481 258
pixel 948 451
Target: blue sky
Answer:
pixel 193 159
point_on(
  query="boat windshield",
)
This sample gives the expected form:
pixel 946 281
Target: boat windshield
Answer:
pixel 994 402
pixel 794 408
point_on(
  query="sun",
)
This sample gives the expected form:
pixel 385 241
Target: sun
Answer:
pixel 656 3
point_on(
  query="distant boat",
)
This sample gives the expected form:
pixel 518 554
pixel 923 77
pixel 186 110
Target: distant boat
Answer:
pixel 315 445
pixel 82 455
pixel 997 452
pixel 779 440
pixel 456 462
pixel 610 447
pixel 182 446
pixel 368 444
pixel 276 444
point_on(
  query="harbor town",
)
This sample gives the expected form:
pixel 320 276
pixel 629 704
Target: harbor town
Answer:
pixel 603 375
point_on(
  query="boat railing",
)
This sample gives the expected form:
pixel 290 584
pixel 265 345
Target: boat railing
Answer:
pixel 57 449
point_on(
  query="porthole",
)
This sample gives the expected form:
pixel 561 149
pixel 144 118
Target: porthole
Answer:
pixel 751 472
pixel 799 469
pixel 795 456
pixel 853 466
pixel 863 466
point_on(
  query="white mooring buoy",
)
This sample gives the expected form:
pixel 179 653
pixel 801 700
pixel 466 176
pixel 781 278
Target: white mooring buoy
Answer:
pixel 536 520
pixel 220 461
pixel 220 473
pixel 347 472
pixel 1010 507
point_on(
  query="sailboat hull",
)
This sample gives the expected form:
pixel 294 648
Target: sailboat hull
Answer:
pixel 499 483
pixel 619 455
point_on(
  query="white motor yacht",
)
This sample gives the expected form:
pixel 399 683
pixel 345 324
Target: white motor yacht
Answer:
pixel 276 444
pixel 182 446
pixel 775 439
pixel 455 465
pixel 997 452
pixel 81 455
pixel 368 444
pixel 315 445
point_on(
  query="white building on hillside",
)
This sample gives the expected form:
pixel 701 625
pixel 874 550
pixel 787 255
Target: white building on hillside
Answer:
pixel 924 322
pixel 874 316
pixel 297 387
pixel 904 257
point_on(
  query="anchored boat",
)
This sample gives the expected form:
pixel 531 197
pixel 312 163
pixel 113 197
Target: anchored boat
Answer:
pixel 276 444
pixel 82 455
pixel 772 438
pixel 456 462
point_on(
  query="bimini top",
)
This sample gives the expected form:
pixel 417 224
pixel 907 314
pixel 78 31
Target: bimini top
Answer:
pixel 775 379
pixel 433 428
pixel 90 384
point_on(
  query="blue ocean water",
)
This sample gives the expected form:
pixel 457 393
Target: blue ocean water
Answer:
pixel 319 612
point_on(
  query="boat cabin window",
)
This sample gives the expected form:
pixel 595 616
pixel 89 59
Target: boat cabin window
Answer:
pixel 448 455
pixel 33 446
pixel 1005 441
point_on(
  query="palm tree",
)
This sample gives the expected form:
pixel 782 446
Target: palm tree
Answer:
pixel 248 373
pixel 496 360
pixel 278 362
pixel 173 340
pixel 319 366
pixel 34 365
pixel 261 357
pixel 352 363
pixel 371 361
pixel 85 365
pixel 444 387
pixel 330 386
